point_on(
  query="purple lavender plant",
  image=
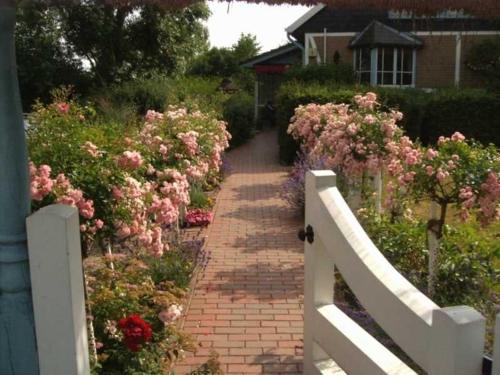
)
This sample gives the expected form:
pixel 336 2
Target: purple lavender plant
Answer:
pixel 293 189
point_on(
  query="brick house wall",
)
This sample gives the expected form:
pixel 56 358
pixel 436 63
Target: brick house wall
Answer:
pixel 335 43
pixel 435 61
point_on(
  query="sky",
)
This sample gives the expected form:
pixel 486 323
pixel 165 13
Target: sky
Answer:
pixel 267 22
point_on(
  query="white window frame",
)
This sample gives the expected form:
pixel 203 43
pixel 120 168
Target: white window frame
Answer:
pixel 398 53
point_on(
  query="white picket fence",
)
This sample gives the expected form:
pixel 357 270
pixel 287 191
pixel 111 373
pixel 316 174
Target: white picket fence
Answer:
pixel 58 291
pixel 442 341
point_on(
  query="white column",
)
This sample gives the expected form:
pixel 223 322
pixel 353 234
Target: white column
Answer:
pixel 377 188
pixel 496 348
pixel 58 292
pixel 457 341
pixel 373 66
pixel 306 49
pixel 414 74
pixel 458 58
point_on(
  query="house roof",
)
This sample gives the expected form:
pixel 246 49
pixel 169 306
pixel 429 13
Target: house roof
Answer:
pixel 284 55
pixel 306 17
pixel 336 20
pixel 378 34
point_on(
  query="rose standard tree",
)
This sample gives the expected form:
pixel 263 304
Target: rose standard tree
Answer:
pixel 17 338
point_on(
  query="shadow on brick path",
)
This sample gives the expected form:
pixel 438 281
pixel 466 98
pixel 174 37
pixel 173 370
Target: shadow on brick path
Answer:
pixel 248 304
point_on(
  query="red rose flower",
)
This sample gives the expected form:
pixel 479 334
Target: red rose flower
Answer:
pixel 62 107
pixel 136 332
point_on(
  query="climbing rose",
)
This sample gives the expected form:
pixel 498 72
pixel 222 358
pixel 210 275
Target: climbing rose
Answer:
pixel 135 331
pixel 130 160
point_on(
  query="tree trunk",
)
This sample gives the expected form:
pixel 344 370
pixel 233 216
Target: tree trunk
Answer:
pixel 18 353
pixel 434 234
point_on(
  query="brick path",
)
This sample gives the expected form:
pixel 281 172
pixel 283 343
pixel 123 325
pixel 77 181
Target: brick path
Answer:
pixel 248 304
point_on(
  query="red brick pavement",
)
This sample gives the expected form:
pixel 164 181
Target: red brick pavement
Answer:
pixel 248 304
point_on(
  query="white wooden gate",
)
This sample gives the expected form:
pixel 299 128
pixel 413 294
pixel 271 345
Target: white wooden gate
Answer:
pixel 442 341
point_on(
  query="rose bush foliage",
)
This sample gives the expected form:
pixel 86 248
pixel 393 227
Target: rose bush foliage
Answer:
pixel 131 184
pixel 136 179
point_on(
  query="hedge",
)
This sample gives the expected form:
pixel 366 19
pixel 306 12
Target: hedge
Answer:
pixel 340 73
pixel 475 113
pixel 239 114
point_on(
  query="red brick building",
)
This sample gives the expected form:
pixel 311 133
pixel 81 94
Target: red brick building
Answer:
pixel 385 48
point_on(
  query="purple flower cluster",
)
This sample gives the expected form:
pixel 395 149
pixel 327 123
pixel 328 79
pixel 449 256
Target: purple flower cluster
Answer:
pixel 293 189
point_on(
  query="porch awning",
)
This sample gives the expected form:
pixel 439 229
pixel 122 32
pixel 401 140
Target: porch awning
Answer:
pixel 377 34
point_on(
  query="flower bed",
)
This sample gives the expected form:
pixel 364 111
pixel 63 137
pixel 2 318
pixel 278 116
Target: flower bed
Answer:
pixel 131 184
pixel 459 177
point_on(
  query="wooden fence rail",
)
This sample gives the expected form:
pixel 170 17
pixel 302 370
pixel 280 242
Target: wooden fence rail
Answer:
pixel 444 341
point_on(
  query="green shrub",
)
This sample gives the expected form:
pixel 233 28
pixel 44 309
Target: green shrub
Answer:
pixel 427 116
pixel 198 197
pixel 333 73
pixel 467 270
pixel 474 113
pixel 411 102
pixel 239 114
pixel 158 92
pixel 141 93
pixel 293 94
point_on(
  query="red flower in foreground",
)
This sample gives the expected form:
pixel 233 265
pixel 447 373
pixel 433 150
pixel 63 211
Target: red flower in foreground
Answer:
pixel 136 332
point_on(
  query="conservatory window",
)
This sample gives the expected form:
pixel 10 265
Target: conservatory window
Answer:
pixel 385 66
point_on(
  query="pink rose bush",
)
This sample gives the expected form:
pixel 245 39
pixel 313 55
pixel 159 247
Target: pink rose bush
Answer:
pixel 456 171
pixel 354 139
pixel 45 189
pixel 129 184
pixel 360 139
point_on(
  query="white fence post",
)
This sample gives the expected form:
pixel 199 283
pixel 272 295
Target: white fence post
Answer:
pixel 377 189
pixel 58 292
pixel 496 348
pixel 457 341
pixel 319 269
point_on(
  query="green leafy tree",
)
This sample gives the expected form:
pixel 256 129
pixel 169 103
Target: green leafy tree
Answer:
pixel 123 42
pixel 246 47
pixel 44 62
pixel 225 62
pixel 484 58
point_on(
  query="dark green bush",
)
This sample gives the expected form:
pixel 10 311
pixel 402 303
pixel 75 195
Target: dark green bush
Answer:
pixel 293 94
pixel 158 92
pixel 411 102
pixel 471 112
pixel 467 270
pixel 426 115
pixel 239 114
pixel 333 73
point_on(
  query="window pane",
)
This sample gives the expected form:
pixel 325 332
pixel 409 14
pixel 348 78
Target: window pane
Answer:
pixel 365 59
pixel 387 78
pixel 399 52
pixel 398 79
pixel 407 78
pixel 380 62
pixel 365 77
pixel 407 60
pixel 388 59
pixel 379 78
